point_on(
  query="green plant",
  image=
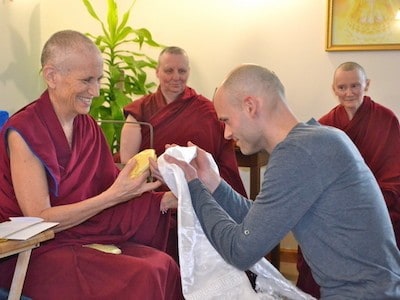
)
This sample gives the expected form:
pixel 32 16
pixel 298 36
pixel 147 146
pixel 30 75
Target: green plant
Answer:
pixel 125 69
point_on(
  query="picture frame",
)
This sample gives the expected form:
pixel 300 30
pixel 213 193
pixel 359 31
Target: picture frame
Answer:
pixel 360 25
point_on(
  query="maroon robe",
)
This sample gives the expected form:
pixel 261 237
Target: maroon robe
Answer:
pixel 375 131
pixel 191 117
pixel 61 268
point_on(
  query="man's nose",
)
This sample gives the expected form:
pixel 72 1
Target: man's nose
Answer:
pixel 227 132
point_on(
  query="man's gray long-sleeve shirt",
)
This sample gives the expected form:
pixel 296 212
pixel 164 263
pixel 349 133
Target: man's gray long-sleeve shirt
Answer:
pixel 316 185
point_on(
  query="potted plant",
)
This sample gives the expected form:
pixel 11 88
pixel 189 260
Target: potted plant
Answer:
pixel 125 69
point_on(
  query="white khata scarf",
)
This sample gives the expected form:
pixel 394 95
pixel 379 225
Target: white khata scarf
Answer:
pixel 205 274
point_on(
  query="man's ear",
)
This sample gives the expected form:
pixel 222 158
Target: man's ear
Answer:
pixel 251 105
pixel 49 75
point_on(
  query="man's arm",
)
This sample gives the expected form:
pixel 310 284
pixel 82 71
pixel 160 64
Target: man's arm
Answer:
pixel 246 231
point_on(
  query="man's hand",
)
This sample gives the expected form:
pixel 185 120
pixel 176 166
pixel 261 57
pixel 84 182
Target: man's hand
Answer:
pixel 200 167
pixel 189 171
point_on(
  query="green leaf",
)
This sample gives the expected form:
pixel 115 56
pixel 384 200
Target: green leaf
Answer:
pixel 90 9
pixel 112 17
pixel 125 18
pixel 123 33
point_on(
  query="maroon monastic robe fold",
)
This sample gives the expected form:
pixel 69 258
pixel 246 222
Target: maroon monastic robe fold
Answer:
pixel 61 268
pixel 375 131
pixel 191 117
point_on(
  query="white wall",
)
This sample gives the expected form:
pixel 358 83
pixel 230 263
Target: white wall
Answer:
pixel 287 36
pixel 20 44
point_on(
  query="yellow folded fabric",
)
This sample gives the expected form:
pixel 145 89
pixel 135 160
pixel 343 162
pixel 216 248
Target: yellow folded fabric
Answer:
pixel 142 161
pixel 105 248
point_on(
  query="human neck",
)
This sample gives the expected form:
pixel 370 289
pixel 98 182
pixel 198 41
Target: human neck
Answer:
pixel 170 97
pixel 284 122
pixel 66 121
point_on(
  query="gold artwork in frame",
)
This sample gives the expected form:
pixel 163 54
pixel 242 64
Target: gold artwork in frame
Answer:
pixel 359 25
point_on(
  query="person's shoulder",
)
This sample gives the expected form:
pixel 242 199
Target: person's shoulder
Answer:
pixel 25 113
pixel 313 130
pixel 382 109
pixel 205 102
pixel 319 141
pixel 139 101
pixel 138 106
pixel 328 117
pixel 202 100
pixel 191 92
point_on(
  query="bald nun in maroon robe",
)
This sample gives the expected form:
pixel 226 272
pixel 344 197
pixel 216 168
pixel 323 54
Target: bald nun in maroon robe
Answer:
pixel 62 268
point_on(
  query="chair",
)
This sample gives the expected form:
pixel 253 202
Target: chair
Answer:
pixel 23 249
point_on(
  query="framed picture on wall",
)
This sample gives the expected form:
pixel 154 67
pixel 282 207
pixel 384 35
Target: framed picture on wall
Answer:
pixel 356 25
